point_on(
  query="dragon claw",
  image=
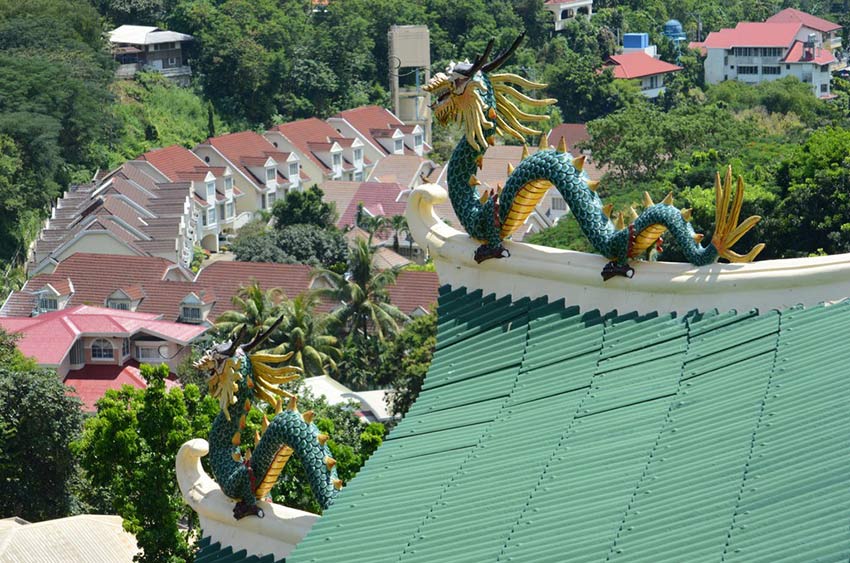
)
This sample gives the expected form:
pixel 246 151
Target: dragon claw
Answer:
pixel 243 509
pixel 612 269
pixel 486 252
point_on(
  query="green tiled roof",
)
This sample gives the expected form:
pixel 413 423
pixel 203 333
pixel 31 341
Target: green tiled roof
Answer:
pixel 544 433
pixel 214 553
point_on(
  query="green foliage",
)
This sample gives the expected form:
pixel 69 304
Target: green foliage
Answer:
pixel 254 311
pixel 304 208
pixel 10 357
pixel 38 421
pixel 306 334
pixel 198 257
pixel 566 233
pixel 129 449
pixel 292 244
pixel 406 361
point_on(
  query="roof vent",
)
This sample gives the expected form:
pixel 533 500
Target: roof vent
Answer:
pixel 207 159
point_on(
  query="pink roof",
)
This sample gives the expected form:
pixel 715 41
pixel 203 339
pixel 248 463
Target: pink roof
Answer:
pixel 49 337
pixel 237 146
pixel 305 132
pixel 367 118
pixel 808 20
pixel 573 133
pixel 753 34
pixel 378 198
pixel 639 64
pixel 796 55
pixel 173 160
pixel 93 381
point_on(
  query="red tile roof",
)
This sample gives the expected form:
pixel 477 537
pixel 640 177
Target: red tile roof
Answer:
pixel 305 132
pixel 367 118
pixel 797 55
pixel 173 160
pixel 413 290
pixel 378 198
pixel 93 381
pixel 574 133
pixel 753 34
pixel 246 144
pixel 639 64
pixel 808 20
pixel 49 337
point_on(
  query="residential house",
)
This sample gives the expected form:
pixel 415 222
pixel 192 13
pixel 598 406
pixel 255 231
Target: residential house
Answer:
pixel 759 52
pixel 134 210
pixel 94 348
pixel 381 132
pixel 140 47
pixel 638 65
pixel 261 171
pixel 565 10
pixel 409 170
pixel 827 33
pixel 324 152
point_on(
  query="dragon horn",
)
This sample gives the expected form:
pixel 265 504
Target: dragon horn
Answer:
pixel 502 58
pixel 260 338
pixel 479 62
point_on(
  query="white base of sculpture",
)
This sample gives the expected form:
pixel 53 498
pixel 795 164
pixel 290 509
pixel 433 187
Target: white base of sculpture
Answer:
pixel 534 271
pixel 277 533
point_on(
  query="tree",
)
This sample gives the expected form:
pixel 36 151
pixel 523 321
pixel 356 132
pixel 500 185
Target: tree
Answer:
pixel 129 448
pixel 38 422
pixel 304 208
pixel 309 244
pixel 254 311
pixel 406 361
pixel 305 333
pixel 366 310
pixel 398 223
pixel 259 246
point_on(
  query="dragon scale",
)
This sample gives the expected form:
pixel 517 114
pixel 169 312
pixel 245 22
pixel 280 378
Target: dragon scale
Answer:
pixel 484 104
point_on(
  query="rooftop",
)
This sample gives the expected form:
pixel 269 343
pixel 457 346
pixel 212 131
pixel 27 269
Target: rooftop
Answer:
pixel 638 64
pixel 752 34
pixel 791 15
pixel 145 35
pixel 92 382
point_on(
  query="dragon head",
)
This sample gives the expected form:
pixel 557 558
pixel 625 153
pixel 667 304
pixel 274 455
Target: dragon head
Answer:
pixel 485 103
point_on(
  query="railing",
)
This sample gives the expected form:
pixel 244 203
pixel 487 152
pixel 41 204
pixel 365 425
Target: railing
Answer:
pixel 243 219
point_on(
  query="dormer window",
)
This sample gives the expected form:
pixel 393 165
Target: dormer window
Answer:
pixel 228 185
pixel 358 156
pixel 293 170
pixel 48 304
pixel 270 174
pixel 398 146
pixel 210 190
pixel 337 160
pixel 417 141
pixel 190 314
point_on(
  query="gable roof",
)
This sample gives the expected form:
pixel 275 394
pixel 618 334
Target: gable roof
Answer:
pixel 404 169
pixel 309 135
pixel 93 381
pixel 791 15
pixel 365 119
pixel 797 54
pixel 752 34
pixel 173 160
pixel 638 64
pixel 236 147
pixel 542 430
pixel 145 35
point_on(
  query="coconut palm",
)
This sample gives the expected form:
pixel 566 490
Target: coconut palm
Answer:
pixel 254 309
pixel 306 335
pixel 366 309
pixel 398 223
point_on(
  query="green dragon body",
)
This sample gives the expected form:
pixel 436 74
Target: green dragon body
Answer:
pixel 484 104
pixel 238 381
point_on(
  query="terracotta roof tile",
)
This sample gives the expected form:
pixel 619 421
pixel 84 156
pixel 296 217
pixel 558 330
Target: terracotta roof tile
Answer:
pixel 791 15
pixel 639 64
pixel 366 118
pixel 573 133
pixel 173 160
pixel 237 146
pixel 413 290
pixel 796 54
pixel 93 381
pixel 753 34
pixel 306 131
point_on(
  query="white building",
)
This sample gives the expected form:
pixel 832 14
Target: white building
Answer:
pixel 565 10
pixel 758 52
pixel 140 47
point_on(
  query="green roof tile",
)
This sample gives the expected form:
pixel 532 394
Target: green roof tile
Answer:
pixel 545 433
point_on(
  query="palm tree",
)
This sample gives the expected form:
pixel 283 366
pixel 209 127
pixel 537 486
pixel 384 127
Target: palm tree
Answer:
pixel 398 223
pixel 366 309
pixel 306 335
pixel 373 225
pixel 254 309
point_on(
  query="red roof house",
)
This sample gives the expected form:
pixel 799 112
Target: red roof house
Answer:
pixel 381 131
pixel 649 70
pixel 791 15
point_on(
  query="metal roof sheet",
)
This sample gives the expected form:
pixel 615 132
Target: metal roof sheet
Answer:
pixel 545 433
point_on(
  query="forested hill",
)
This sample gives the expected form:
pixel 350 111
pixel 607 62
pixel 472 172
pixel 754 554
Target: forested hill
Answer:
pixel 258 62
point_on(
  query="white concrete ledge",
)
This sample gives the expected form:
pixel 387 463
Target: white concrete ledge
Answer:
pixel 535 271
pixel 277 533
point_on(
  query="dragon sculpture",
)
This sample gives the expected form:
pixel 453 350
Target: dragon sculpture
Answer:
pixel 239 379
pixel 486 106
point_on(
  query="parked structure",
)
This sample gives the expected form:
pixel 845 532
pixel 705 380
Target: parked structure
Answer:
pixel 565 10
pixel 139 47
pixel 759 52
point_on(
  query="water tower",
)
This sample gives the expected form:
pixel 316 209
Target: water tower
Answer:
pixel 410 63
pixel 674 32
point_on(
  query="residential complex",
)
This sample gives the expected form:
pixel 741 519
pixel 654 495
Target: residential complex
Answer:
pixel 381 132
pixel 138 47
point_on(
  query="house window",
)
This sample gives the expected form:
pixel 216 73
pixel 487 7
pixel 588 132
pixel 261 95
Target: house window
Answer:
pixel 358 156
pixel 417 141
pixel 787 67
pixel 210 191
pixel 337 160
pixel 211 216
pixel 191 314
pixel 147 353
pixel 48 304
pixel 653 82
pixel 357 176
pixel 172 61
pixel 221 213
pixel 559 204
pixel 270 174
pixel 120 304
pixel 272 198
pixel 398 146
pixel 824 88
pixel 748 69
pixel 771 70
pixel 77 353
pixel 293 170
pixel 228 185
pixel 204 219
pixel 230 210
pixel 125 347
pixel 263 201
pixel 101 349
